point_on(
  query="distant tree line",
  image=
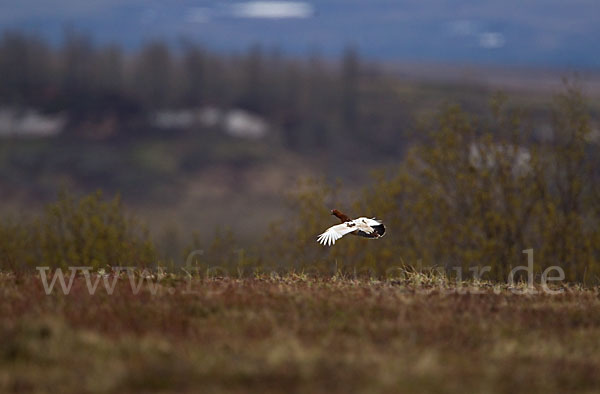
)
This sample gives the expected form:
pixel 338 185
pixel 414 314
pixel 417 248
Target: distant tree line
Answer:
pixel 313 102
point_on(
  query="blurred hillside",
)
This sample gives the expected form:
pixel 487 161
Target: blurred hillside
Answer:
pixel 194 139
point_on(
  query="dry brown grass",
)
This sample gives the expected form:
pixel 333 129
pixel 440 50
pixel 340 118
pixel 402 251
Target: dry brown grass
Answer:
pixel 296 333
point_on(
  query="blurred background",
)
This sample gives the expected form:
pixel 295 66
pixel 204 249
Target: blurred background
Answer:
pixel 206 115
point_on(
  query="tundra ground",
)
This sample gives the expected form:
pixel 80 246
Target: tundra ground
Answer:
pixel 297 334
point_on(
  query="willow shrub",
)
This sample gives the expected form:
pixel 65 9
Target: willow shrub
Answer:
pixel 473 193
pixel 89 231
pixel 220 255
pixel 15 246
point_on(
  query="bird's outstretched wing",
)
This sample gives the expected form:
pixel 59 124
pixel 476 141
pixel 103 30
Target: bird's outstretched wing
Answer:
pixel 336 232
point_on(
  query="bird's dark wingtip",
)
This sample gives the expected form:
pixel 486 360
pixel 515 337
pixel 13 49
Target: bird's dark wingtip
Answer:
pixel 378 232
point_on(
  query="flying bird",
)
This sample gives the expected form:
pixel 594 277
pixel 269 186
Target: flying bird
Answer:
pixel 365 227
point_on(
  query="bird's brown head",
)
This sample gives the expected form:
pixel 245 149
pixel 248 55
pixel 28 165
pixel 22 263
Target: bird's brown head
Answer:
pixel 340 215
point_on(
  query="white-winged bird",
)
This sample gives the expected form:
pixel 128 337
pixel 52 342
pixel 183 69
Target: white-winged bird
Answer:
pixel 364 227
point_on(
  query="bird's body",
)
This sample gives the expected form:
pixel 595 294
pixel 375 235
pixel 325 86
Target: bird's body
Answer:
pixel 364 227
